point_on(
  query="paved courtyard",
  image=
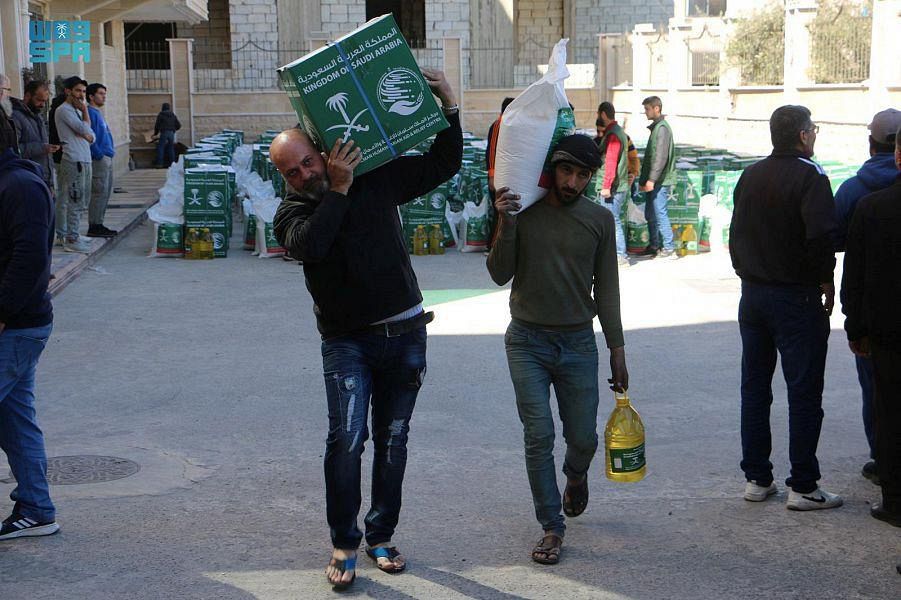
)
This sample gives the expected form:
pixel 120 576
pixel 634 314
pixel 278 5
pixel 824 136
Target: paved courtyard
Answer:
pixel 207 376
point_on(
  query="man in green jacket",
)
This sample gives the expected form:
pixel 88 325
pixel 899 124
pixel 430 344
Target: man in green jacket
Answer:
pixel 657 177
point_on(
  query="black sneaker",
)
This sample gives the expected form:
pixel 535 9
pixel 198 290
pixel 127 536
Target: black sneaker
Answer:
pixel 108 231
pixel 869 471
pixel 16 526
pixel 99 231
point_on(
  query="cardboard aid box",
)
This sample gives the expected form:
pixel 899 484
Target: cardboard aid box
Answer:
pixel 365 86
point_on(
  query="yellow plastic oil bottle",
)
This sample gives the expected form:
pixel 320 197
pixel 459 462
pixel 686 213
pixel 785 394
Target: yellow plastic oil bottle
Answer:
pixel 191 240
pixel 624 442
pixel 420 241
pixel 203 248
pixel 689 241
pixel 436 240
pixel 677 239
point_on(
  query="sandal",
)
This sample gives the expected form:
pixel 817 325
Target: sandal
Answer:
pixel 575 498
pixel 549 546
pixel 343 566
pixel 390 554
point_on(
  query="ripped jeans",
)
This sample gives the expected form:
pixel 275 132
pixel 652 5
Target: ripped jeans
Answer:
pixel 386 372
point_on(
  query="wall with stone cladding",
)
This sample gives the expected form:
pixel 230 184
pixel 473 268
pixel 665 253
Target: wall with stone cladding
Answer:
pixel 210 36
pixel 611 16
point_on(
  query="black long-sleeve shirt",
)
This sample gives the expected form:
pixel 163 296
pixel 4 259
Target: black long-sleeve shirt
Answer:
pixel 26 242
pixel 782 223
pixel 353 249
pixel 871 283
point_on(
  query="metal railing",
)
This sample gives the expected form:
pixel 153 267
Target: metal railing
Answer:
pixel 147 66
pixel 705 68
pixel 841 58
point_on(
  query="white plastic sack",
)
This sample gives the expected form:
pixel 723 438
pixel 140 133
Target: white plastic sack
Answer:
pixel 529 128
pixel 637 236
pixel 264 210
pixel 474 229
pixel 242 158
pixel 453 221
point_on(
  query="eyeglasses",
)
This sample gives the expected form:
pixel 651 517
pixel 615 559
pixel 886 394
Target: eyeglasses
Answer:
pixel 815 129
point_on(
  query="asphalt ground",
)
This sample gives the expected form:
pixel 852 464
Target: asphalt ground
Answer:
pixel 208 376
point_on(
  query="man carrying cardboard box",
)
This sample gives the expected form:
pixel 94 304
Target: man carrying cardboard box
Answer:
pixel 369 311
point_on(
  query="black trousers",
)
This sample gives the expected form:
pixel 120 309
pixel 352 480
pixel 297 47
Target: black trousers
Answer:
pixel 887 419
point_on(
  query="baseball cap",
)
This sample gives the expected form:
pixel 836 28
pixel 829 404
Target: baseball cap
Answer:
pixel 885 125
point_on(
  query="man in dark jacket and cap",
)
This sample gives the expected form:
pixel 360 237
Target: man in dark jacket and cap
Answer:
pixel 165 127
pixel 561 255
pixel 878 173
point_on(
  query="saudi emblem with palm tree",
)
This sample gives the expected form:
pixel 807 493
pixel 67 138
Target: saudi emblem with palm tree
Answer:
pixel 338 103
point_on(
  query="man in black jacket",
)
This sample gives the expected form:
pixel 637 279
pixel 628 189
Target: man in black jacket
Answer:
pixel 165 127
pixel 781 246
pixel 871 287
pixel 369 311
pixel 26 318
pixel 31 128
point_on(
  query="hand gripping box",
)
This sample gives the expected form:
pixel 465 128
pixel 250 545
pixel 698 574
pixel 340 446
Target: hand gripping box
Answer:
pixel 365 86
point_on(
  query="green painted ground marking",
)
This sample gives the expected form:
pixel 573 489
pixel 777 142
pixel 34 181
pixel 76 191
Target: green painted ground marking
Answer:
pixel 432 297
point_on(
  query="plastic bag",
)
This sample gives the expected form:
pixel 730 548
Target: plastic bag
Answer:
pixel 474 229
pixel 264 209
pixel 530 127
pixel 637 235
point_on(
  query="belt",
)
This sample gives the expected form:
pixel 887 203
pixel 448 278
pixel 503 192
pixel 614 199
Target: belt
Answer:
pixel 397 328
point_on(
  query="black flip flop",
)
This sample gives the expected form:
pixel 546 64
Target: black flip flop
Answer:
pixel 348 564
pixel 550 548
pixel 389 553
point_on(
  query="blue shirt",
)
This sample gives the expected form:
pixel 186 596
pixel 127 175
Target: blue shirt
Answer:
pixel 103 139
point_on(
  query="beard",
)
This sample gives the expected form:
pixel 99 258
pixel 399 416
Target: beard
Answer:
pixel 315 188
pixel 568 195
pixel 7 106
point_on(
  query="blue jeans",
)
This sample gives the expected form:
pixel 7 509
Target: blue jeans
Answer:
pixel 569 361
pixel 658 219
pixel 615 205
pixel 386 372
pixel 865 377
pixel 20 437
pixel 165 148
pixel 789 320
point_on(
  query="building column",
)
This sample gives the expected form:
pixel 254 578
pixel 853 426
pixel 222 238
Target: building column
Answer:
pixel 14 38
pixel 798 15
pixel 181 86
pixel 885 48
pixel 453 68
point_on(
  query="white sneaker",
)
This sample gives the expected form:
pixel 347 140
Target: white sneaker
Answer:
pixel 758 493
pixel 815 500
pixel 59 241
pixel 77 246
pixel 622 261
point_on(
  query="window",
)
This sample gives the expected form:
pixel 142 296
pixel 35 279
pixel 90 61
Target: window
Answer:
pixel 146 46
pixel 409 14
pixel 108 33
pixel 705 68
pixel 705 8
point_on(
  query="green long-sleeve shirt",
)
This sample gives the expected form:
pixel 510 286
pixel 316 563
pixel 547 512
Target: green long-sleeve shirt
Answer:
pixel 563 265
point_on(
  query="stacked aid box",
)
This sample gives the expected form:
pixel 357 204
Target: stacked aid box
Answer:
pixel 209 193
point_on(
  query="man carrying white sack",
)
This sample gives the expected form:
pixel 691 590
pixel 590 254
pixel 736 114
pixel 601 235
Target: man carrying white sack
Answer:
pixel 561 255
pixel 368 308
